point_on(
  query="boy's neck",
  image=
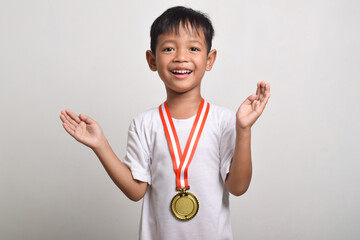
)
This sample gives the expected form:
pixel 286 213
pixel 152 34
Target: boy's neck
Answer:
pixel 183 106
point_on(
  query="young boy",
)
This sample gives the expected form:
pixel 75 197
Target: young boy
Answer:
pixel 186 142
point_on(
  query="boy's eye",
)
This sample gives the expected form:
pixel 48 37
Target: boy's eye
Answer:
pixel 194 49
pixel 169 49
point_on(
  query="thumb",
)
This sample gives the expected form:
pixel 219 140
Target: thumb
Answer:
pixel 250 99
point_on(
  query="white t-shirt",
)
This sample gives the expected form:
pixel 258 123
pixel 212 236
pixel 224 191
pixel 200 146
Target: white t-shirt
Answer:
pixel 149 159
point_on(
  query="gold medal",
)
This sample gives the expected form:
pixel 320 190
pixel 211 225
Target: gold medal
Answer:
pixel 184 205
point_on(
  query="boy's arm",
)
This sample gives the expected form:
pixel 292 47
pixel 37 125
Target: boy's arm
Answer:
pixel 120 173
pixel 87 131
pixel 239 176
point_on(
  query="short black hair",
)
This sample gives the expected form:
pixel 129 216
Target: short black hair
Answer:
pixel 171 19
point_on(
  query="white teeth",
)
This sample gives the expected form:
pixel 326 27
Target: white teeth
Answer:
pixel 181 71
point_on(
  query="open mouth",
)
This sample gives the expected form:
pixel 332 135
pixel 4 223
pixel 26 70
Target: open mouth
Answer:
pixel 181 72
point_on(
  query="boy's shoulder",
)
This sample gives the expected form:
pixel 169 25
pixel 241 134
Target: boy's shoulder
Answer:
pixel 221 116
pixel 219 110
pixel 147 114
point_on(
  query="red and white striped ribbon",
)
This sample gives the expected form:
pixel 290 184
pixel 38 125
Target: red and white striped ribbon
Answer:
pixel 182 160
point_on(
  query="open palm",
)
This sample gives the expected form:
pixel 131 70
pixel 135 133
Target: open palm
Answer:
pixel 82 128
pixel 251 109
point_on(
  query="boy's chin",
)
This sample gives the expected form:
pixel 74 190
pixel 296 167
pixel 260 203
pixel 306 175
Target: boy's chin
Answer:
pixel 183 90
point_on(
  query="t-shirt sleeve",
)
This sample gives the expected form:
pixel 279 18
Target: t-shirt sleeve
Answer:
pixel 227 142
pixel 137 156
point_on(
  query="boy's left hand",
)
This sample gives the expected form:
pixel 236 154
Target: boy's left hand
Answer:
pixel 251 109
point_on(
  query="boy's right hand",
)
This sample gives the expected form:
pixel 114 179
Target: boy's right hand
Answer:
pixel 83 129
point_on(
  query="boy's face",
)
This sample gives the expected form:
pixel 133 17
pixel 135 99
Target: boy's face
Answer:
pixel 181 60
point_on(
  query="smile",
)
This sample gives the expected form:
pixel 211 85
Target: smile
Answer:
pixel 181 71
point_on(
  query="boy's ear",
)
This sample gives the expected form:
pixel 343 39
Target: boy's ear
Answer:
pixel 211 59
pixel 150 57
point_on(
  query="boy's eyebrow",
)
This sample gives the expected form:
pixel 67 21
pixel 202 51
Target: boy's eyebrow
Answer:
pixel 167 41
pixel 195 41
pixel 171 41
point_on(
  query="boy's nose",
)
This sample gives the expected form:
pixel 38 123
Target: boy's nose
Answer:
pixel 181 56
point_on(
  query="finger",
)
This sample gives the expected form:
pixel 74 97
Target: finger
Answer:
pixel 265 101
pixel 260 92
pixel 86 119
pixel 65 119
pixel 258 89
pixel 267 88
pixel 252 97
pixel 249 100
pixel 262 86
pixel 69 120
pixel 73 115
pixel 62 117
pixel 72 127
pixel 262 89
pixel 68 129
pixel 253 104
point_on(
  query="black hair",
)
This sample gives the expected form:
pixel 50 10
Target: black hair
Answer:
pixel 171 19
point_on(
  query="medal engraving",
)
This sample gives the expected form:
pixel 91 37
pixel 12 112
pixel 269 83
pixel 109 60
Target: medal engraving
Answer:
pixel 184 205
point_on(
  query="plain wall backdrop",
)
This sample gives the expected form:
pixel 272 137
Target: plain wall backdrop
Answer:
pixel 89 56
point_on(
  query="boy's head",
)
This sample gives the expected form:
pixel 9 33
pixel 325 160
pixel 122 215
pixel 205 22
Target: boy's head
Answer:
pixel 181 49
pixel 173 18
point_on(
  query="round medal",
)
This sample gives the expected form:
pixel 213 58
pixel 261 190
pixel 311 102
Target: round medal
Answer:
pixel 184 205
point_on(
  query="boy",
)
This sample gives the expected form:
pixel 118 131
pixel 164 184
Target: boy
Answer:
pixel 185 142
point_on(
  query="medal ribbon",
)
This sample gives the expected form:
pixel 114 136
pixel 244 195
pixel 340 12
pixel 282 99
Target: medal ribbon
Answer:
pixel 181 161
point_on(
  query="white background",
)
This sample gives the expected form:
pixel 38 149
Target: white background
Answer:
pixel 89 56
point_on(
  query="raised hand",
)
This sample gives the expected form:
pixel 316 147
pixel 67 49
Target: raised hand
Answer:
pixel 82 128
pixel 251 109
